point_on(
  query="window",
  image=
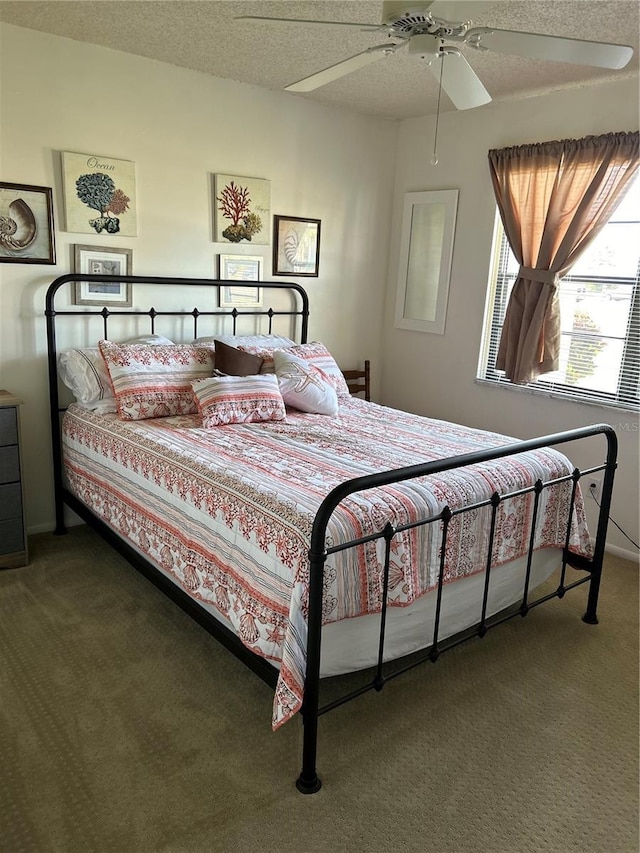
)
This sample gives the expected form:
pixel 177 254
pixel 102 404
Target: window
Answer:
pixel 600 306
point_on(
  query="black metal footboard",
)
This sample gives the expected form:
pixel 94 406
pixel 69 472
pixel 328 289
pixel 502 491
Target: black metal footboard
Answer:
pixel 308 781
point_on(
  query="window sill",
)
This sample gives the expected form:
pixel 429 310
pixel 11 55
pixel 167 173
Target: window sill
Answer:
pixel 557 396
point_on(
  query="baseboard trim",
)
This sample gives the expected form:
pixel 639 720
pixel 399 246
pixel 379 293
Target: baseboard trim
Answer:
pixel 33 529
pixel 632 556
pixel 71 519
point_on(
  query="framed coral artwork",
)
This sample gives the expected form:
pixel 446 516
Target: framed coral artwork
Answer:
pixel 26 225
pixel 242 210
pixel 99 195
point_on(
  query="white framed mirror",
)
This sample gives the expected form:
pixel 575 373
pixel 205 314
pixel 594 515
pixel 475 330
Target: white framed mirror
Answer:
pixel 426 251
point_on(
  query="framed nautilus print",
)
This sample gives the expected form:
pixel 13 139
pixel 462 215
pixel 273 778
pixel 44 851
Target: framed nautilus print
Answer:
pixel 26 224
pixel 296 246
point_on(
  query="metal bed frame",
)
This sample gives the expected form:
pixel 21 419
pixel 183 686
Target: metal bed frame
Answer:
pixel 308 781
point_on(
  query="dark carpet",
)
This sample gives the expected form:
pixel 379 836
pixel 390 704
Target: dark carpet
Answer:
pixel 125 727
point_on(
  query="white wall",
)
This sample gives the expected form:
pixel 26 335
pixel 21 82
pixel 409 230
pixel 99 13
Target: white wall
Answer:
pixel 179 128
pixel 435 375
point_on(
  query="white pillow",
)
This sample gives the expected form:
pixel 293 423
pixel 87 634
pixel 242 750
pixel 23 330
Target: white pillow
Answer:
pixel 269 341
pixel 317 354
pixel 303 386
pixel 84 372
pixel 158 340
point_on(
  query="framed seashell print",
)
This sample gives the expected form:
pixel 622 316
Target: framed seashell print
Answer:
pixel 296 246
pixel 26 224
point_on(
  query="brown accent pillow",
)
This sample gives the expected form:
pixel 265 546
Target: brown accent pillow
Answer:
pixel 234 362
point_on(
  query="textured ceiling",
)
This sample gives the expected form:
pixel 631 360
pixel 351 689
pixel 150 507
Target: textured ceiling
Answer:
pixel 204 36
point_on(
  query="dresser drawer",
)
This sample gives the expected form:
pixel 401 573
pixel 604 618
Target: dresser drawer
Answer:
pixel 11 502
pixel 9 464
pixel 13 526
pixel 8 426
pixel 11 536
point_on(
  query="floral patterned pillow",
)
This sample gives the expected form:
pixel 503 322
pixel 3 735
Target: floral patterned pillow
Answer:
pixel 238 399
pixel 84 372
pixel 155 381
pixel 263 352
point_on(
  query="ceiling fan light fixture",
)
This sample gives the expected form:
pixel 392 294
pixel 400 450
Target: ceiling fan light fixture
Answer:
pixel 425 47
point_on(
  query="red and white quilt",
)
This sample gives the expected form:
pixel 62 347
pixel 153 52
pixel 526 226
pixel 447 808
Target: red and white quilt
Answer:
pixel 228 511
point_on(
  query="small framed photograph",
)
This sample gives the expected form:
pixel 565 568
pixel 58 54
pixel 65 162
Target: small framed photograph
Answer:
pixel 296 246
pixel 240 268
pixel 26 224
pixel 103 260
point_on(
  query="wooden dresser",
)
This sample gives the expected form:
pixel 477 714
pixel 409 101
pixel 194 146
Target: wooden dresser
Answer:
pixel 13 530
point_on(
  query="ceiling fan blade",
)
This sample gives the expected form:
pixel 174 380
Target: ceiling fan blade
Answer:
pixel 460 81
pixel 368 26
pixel 340 69
pixel 537 46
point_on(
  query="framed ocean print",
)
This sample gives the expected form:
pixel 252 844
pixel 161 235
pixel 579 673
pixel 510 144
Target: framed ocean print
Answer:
pixel 26 224
pixel 240 268
pixel 99 195
pixel 296 246
pixel 103 260
pixel 242 209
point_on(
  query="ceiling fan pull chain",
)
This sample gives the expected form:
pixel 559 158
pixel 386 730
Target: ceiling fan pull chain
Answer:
pixel 434 156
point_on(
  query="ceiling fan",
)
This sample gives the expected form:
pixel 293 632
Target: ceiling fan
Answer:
pixel 432 31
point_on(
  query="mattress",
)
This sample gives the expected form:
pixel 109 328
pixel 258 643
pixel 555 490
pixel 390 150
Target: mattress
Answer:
pixel 227 514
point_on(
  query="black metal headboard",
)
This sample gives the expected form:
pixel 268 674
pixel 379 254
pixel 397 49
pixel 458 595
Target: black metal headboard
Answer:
pixel 301 310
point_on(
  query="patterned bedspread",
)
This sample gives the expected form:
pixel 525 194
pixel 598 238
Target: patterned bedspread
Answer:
pixel 228 511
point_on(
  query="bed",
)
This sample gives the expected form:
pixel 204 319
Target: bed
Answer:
pixel 312 541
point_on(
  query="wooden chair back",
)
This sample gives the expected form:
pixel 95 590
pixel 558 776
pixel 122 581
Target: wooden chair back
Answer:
pixel 359 380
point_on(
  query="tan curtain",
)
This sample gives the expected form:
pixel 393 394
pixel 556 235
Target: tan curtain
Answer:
pixel 553 198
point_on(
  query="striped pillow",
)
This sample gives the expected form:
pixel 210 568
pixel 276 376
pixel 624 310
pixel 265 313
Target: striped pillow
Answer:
pixel 238 399
pixel 155 381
